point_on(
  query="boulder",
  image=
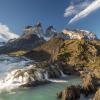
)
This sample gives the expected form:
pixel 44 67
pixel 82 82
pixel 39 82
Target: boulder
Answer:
pixel 97 95
pixel 70 93
pixel 89 84
pixel 59 94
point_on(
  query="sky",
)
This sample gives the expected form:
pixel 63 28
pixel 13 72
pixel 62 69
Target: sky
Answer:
pixel 72 14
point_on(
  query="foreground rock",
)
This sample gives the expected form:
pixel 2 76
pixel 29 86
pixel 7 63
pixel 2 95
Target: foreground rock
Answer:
pixel 70 93
pixel 89 85
pixel 97 95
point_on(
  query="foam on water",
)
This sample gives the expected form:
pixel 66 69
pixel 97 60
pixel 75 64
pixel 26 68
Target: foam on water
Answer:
pixel 16 74
pixel 58 81
pixel 8 63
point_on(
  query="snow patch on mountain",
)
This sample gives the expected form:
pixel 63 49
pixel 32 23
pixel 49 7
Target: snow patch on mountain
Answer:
pixel 36 29
pixel 51 32
pixel 80 34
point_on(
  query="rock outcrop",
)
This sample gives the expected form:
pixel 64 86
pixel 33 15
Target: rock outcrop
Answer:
pixel 50 33
pixel 70 93
pixel 79 54
pixel 89 85
pixel 36 30
pixel 97 95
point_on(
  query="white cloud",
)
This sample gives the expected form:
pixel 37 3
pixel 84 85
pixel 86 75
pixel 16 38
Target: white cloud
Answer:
pixel 81 9
pixel 6 34
pixel 75 7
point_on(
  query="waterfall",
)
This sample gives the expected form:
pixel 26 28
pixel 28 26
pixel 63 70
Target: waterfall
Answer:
pixel 46 75
pixel 39 75
pixel 62 74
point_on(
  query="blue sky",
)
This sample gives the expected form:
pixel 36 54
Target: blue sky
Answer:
pixel 16 14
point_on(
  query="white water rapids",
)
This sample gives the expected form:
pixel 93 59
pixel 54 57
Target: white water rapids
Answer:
pixel 7 64
pixel 14 72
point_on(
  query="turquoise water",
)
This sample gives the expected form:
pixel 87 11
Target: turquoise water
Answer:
pixel 45 92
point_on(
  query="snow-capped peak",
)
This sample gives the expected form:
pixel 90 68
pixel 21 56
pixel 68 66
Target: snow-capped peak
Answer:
pixel 50 32
pixel 36 29
pixel 80 34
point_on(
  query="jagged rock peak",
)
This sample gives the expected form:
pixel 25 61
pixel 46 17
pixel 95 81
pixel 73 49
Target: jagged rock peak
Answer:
pixel 38 24
pixel 27 27
pixel 50 31
pixel 50 27
pixel 35 29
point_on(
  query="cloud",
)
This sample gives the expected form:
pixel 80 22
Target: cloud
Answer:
pixel 5 33
pixel 75 7
pixel 81 9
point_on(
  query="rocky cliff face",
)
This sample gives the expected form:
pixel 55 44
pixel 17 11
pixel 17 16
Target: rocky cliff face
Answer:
pixel 50 33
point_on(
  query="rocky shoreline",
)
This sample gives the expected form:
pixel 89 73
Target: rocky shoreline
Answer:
pixel 90 86
pixel 40 73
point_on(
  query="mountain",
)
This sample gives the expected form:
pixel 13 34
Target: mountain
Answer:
pixel 36 30
pixel 31 38
pixel 35 37
pixel 79 34
pixel 50 33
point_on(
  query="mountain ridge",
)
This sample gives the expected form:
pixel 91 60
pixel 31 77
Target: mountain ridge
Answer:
pixel 34 37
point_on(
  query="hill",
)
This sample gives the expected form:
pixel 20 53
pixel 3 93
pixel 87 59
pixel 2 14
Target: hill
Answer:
pixel 80 53
pixel 74 53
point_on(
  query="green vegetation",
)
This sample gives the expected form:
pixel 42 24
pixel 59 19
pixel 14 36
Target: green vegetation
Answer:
pixel 80 53
pixel 17 53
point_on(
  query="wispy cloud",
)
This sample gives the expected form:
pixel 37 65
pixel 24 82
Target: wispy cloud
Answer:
pixel 5 33
pixel 81 8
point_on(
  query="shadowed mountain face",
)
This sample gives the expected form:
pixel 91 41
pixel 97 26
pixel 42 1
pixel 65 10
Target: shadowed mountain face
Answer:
pixel 38 55
pixel 24 43
pixel 46 51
